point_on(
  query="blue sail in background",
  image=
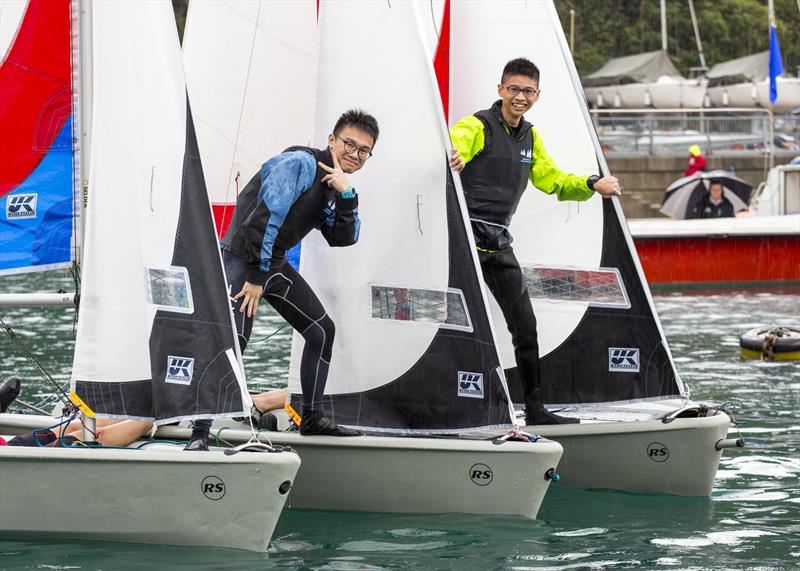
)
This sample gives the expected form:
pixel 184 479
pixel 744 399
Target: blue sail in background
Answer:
pixel 775 62
pixel 37 220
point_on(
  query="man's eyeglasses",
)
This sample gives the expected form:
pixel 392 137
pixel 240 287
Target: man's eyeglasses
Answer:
pixel 350 147
pixel 515 90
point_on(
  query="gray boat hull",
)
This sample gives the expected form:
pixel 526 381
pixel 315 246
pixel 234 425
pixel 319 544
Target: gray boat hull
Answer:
pixel 159 494
pixel 395 474
pixel 641 453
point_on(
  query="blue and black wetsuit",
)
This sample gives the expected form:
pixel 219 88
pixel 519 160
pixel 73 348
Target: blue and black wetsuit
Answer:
pixel 280 205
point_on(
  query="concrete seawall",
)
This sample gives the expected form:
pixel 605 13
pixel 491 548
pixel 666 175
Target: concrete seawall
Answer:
pixel 644 179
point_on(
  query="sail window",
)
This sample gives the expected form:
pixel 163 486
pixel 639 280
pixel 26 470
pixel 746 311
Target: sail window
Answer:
pixel 598 287
pixel 444 308
pixel 169 289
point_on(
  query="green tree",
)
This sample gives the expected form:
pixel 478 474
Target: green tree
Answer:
pixel 728 29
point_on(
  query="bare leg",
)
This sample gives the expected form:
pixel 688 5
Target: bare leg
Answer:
pixel 270 400
pixel 117 432
pixel 74 427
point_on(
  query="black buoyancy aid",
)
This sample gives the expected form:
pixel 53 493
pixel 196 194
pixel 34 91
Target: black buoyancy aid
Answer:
pixel 496 177
pixel 250 218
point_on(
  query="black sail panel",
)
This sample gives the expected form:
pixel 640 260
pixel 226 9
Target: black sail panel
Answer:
pixel 455 384
pixel 204 338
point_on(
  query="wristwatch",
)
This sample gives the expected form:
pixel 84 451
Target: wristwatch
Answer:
pixel 349 193
pixel 591 180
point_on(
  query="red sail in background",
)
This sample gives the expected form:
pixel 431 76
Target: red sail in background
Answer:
pixel 441 61
pixel 35 81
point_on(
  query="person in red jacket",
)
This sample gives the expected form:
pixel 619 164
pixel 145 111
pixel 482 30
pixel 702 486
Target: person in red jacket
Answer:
pixel 696 161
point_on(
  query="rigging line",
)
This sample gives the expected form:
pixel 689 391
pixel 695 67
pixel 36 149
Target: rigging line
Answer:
pixel 28 354
pixel 278 330
pixel 437 30
pixel 152 176
pixel 241 112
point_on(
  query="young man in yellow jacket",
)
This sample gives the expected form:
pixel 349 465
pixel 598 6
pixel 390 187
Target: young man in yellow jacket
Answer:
pixel 497 151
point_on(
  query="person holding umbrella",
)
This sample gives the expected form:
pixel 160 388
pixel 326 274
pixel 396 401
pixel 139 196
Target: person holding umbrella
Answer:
pixel 713 204
pixel 713 194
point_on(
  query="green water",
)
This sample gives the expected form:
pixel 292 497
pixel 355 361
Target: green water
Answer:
pixel 752 521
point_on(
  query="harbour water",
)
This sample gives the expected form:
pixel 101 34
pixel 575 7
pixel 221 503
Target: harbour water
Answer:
pixel 752 520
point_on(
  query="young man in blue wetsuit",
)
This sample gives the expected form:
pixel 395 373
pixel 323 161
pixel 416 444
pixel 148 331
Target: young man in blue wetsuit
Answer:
pixel 497 151
pixel 295 192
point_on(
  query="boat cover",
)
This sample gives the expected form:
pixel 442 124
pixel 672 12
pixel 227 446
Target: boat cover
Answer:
pixel 639 68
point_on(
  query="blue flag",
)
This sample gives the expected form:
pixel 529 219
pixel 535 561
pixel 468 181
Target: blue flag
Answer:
pixel 775 63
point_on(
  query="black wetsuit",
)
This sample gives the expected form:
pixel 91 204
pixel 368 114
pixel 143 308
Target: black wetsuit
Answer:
pixel 254 250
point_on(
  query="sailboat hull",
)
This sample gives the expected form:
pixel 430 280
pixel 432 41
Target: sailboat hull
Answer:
pixel 414 475
pixel 393 474
pixel 677 457
pixel 158 494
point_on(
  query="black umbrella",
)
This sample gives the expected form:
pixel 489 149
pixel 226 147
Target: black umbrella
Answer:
pixel 685 192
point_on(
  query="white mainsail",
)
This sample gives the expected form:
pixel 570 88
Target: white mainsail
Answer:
pixel 260 97
pixel 412 336
pixel 155 334
pixel 573 253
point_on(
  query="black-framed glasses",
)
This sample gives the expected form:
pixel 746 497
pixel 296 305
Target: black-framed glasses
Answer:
pixel 515 90
pixel 350 147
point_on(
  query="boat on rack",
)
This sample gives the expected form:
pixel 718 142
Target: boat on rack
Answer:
pixel 744 82
pixel 411 324
pixel 604 356
pixel 643 80
pixel 155 335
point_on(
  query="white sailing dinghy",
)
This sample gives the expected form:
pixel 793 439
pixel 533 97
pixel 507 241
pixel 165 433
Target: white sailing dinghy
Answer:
pixel 414 353
pixel 604 356
pixel 155 337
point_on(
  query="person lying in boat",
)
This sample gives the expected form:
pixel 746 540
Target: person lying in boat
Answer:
pixel 110 432
pixel 713 203
pixel 117 432
pixel 486 146
pixel 293 193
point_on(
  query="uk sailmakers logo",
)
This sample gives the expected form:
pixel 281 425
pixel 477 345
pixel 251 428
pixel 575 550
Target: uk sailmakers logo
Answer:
pixel 19 206
pixel 470 385
pixel 623 359
pixel 179 370
pixel 525 156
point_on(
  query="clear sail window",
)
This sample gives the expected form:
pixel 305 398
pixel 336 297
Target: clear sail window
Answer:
pixel 169 289
pixel 445 308
pixel 599 288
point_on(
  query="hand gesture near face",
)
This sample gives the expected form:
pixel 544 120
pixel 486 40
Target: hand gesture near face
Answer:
pixel 335 178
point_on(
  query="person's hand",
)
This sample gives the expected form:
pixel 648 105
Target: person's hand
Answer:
pixel 608 186
pixel 455 161
pixel 251 294
pixel 335 178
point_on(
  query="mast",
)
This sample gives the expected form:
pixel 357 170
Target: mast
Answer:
pixel 664 25
pixel 697 36
pixel 83 106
